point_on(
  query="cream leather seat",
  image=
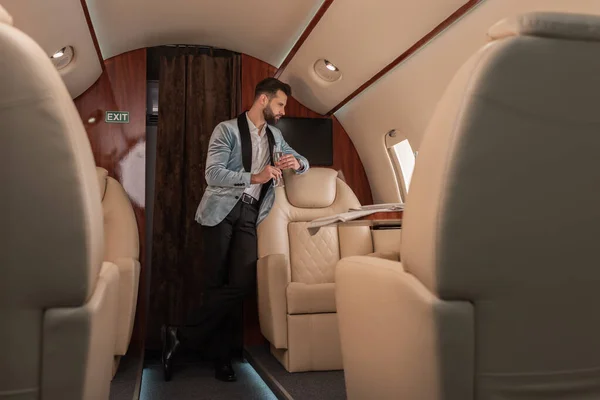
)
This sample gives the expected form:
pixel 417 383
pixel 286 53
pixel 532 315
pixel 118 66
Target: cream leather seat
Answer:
pixel 58 300
pixel 296 289
pixel 121 247
pixel 496 296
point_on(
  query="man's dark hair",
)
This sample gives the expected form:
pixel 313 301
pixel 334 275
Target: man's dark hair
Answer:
pixel 270 86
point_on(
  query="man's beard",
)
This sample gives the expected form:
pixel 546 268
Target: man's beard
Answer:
pixel 269 116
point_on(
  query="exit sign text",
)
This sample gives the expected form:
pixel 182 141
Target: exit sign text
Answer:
pixel 117 117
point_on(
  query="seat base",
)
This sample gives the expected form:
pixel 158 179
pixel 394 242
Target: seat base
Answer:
pixel 313 344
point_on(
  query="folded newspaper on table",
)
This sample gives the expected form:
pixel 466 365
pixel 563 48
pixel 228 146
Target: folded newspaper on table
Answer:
pixel 384 207
pixel 353 213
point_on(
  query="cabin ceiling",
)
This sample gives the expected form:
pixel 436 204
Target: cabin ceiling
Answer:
pixel 359 38
pixel 260 28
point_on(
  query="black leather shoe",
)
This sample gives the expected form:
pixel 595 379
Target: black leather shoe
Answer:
pixel 224 371
pixel 170 344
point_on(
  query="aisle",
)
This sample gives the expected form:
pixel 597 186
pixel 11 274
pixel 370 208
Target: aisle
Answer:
pixel 194 380
pixel 326 385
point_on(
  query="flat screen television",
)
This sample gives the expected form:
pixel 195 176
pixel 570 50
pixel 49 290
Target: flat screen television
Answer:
pixel 311 137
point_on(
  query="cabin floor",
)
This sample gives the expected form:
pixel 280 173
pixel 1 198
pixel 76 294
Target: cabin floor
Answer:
pixel 326 385
pixel 193 379
pixel 124 385
pixel 260 377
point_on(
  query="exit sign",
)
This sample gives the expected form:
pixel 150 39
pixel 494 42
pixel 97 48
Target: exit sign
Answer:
pixel 117 117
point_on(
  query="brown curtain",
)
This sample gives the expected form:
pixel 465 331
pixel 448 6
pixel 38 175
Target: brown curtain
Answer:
pixel 198 88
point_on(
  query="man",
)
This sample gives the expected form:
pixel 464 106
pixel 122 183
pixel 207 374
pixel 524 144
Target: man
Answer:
pixel 239 196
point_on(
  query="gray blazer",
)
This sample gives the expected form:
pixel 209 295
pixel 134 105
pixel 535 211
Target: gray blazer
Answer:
pixel 225 174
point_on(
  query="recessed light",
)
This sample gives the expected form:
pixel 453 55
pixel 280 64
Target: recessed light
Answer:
pixel 59 53
pixel 327 71
pixel 63 57
pixel 330 66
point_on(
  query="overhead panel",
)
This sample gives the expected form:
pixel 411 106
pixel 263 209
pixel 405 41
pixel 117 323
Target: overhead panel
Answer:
pixel 259 28
pixel 360 39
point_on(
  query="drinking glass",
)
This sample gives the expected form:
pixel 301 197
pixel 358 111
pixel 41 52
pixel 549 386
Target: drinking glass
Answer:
pixel 277 154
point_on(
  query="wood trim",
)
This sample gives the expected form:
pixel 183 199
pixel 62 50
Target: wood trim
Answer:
pixel 273 384
pixel 313 22
pixel 378 216
pixel 416 47
pixel 93 33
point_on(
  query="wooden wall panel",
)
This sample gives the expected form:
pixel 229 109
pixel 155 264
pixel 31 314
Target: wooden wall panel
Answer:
pixel 253 71
pixel 345 158
pixel 117 147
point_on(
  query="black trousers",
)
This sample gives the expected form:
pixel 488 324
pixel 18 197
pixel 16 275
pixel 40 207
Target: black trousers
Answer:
pixel 229 275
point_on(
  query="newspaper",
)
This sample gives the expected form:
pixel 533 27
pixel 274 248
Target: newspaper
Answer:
pixel 381 207
pixel 353 213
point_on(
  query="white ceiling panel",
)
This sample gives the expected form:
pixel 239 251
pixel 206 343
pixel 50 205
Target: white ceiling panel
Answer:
pixel 259 28
pixel 405 98
pixel 360 38
pixel 54 25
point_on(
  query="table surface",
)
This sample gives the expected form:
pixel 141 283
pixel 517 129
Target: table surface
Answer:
pixel 389 219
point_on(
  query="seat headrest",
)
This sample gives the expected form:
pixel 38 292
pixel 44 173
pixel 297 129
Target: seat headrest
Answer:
pixel 5 17
pixel 314 189
pixel 44 139
pixel 510 112
pixel 102 174
pixel 549 25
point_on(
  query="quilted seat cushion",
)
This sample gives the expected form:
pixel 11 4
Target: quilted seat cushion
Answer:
pixel 313 258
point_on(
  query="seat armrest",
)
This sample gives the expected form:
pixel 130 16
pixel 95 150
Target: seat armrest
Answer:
pixel 273 277
pixel 129 277
pixel 392 326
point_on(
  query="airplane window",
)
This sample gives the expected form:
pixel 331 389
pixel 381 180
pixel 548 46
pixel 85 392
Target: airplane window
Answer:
pixel 406 159
pixel 404 163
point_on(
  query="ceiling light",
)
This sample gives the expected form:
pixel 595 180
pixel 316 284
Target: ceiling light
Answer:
pixel 327 71
pixel 59 53
pixel 63 57
pixel 330 66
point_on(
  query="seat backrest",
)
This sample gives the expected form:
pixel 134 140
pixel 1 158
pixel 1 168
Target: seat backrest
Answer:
pixel 503 207
pixel 315 194
pixel 121 237
pixel 51 234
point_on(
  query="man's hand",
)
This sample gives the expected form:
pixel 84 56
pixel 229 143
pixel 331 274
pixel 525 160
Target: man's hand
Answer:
pixel 288 161
pixel 268 173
